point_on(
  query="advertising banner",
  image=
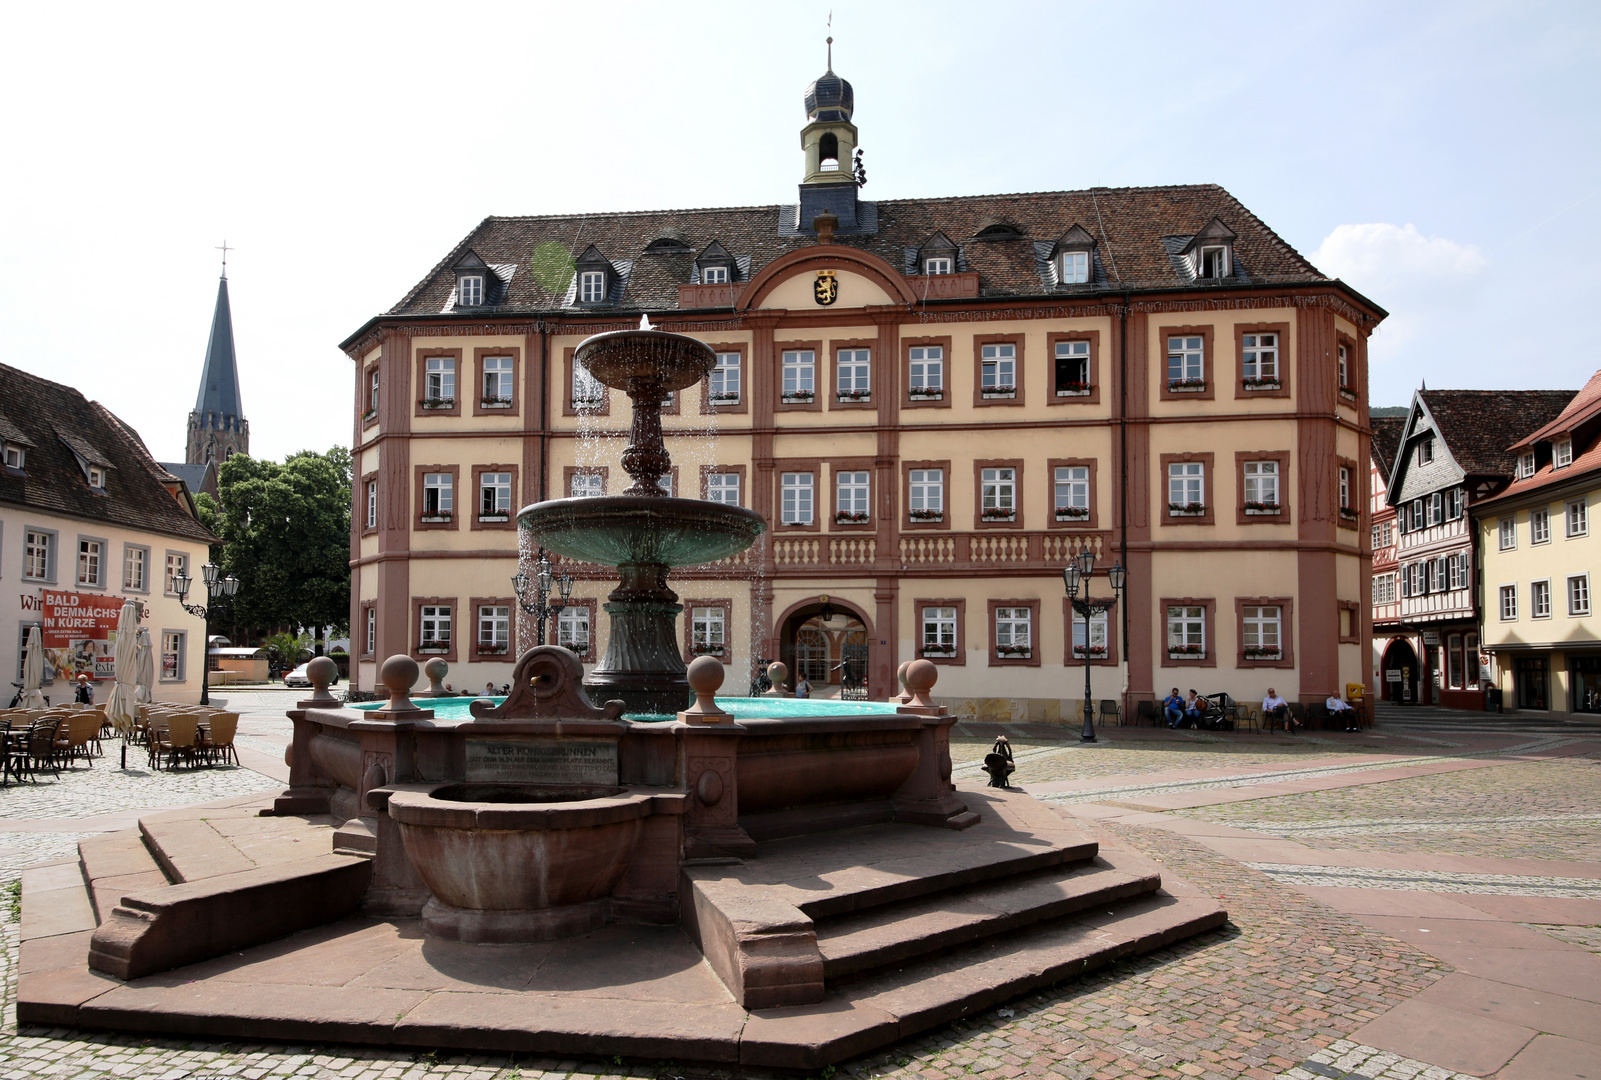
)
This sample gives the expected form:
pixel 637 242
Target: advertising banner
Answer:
pixel 80 630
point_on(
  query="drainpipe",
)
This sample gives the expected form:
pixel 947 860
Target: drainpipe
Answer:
pixel 544 409
pixel 1122 472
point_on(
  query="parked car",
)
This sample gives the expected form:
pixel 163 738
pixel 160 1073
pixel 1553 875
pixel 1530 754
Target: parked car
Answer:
pixel 299 676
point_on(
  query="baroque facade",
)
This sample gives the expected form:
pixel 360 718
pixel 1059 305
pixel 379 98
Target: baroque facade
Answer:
pixel 935 403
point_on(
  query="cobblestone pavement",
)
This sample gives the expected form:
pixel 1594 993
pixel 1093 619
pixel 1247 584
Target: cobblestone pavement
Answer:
pixel 1277 992
pixel 1536 809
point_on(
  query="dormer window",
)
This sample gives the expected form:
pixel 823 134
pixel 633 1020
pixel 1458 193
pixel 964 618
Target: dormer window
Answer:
pixel 998 231
pixel 1213 263
pixel 938 255
pixel 595 276
pixel 97 478
pixel 470 290
pixel 1526 465
pixel 1209 254
pixel 941 265
pixel 476 281
pixel 714 275
pixel 1426 451
pixel 591 287
pixel 16 457
pixel 1562 454
pixel 1073 258
pixel 715 265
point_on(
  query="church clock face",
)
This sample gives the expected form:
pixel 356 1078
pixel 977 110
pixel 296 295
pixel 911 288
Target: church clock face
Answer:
pixel 825 290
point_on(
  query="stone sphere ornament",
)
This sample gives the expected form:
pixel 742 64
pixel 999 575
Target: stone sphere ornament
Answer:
pixel 921 675
pixel 706 675
pixel 436 670
pixel 777 672
pixel 399 675
pixel 323 673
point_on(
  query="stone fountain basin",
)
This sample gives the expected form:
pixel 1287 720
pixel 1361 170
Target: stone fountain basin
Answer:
pixel 516 847
pixel 617 529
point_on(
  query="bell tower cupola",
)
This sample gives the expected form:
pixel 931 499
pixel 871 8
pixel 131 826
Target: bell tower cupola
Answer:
pixel 829 139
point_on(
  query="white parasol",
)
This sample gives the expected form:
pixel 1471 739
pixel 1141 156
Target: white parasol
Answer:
pixel 33 672
pixel 144 692
pixel 123 709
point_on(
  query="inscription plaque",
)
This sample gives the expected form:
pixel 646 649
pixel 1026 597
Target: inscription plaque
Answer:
pixel 531 759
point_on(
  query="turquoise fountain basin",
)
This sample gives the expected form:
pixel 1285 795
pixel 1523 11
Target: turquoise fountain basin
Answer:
pixel 746 708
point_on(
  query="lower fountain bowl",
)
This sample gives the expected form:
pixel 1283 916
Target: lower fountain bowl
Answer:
pixel 616 529
pixel 513 862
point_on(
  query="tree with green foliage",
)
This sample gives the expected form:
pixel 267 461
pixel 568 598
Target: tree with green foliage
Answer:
pixel 285 533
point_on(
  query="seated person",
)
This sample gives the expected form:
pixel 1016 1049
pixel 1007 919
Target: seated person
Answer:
pixel 1173 708
pixel 1276 710
pixel 1194 708
pixel 1342 712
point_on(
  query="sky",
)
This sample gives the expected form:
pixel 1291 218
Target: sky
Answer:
pixel 1444 159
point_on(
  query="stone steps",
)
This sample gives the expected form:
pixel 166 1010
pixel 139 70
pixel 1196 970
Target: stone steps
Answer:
pixel 900 932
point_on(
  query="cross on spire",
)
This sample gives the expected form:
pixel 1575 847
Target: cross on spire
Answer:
pixel 224 248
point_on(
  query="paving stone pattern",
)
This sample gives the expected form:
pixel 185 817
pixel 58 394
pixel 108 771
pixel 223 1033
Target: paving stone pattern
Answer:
pixel 1585 937
pixel 1277 992
pixel 1537 809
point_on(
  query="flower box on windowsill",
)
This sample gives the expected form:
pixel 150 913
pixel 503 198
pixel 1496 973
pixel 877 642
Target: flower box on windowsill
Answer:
pixel 993 392
pixel 851 517
pixel 493 518
pixel 369 416
pixel 797 397
pixel 1186 386
pixel 438 403
pixel 853 395
pixel 1262 509
pixel 1073 389
pixel 1097 652
pixel 926 515
pixel 996 513
pixel 726 397
pixel 1349 513
pixel 588 403
pixel 1263 652
pixel 801 524
pixel 937 654
pixel 1348 394
pixel 925 393
pixel 1186 652
pixel 1260 382
pixel 438 518
pixel 1072 513
pixel 493 650
pixel 708 650
pixel 433 650
pixel 1014 652
pixel 577 650
pixel 495 403
pixel 1186 509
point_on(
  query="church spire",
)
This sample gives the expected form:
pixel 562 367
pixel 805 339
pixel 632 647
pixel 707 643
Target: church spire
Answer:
pixel 217 427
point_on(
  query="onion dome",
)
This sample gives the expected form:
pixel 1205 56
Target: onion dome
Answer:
pixel 830 98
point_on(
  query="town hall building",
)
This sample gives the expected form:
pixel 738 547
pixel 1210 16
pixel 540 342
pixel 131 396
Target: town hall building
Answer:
pixel 935 403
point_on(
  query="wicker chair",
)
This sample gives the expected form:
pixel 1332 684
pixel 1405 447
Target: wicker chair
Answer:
pixel 43 744
pixel 82 729
pixel 218 737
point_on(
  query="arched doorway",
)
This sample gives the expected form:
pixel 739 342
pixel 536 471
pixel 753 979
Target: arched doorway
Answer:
pixel 1400 656
pixel 826 642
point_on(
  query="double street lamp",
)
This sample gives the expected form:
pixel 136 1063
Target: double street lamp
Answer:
pixel 1079 571
pixel 215 587
pixel 541 607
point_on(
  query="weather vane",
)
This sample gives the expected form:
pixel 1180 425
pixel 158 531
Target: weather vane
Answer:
pixel 225 249
pixel 831 40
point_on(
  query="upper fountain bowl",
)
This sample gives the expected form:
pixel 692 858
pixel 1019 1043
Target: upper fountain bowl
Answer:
pixel 617 529
pixel 622 357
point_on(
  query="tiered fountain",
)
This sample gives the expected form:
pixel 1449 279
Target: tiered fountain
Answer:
pixel 643 532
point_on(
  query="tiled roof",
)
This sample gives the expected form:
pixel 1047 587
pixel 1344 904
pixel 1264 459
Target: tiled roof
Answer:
pixel 1480 425
pixel 1386 439
pixel 1586 404
pixel 1130 227
pixel 51 416
pixel 1586 460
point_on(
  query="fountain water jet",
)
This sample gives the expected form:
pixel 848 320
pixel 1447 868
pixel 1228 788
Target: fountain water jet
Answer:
pixel 643 532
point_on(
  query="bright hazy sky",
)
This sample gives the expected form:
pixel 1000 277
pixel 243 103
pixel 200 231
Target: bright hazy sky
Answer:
pixel 1441 157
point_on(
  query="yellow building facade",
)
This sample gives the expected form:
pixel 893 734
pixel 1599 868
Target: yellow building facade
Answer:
pixel 1541 553
pixel 934 403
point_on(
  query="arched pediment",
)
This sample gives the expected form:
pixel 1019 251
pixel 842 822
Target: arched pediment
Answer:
pixel 809 260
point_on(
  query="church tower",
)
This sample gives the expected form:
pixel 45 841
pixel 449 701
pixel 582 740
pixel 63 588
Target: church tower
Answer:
pixel 829 139
pixel 217 427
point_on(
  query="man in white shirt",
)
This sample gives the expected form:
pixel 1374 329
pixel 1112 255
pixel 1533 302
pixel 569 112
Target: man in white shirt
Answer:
pixel 1342 712
pixel 1275 709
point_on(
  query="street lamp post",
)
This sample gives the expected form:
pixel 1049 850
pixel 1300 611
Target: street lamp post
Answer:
pixel 215 587
pixel 540 607
pixel 1078 571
